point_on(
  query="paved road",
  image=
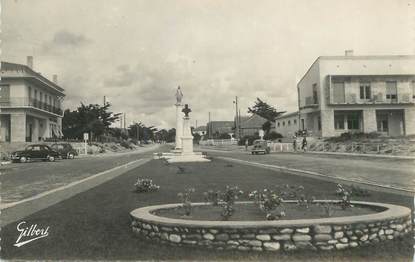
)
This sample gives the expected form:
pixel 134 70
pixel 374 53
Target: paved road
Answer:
pixel 20 181
pixel 385 171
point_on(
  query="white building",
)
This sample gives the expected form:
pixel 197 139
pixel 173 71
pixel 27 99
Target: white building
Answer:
pixel 287 124
pixel 30 104
pixel 358 94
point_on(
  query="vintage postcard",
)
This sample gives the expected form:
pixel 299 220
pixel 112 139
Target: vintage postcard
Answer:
pixel 207 130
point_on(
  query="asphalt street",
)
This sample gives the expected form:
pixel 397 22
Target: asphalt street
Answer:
pixel 384 171
pixel 20 181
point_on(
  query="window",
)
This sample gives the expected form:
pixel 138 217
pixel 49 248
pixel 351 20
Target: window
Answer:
pixel 338 121
pixel 278 124
pixel 365 91
pixel 339 96
pixel 41 96
pixel 30 92
pixel 353 121
pixel 391 90
pixel 295 121
pixel 383 125
pixel 35 94
pixel 302 124
pixel 289 122
pixel 283 123
pixel 315 96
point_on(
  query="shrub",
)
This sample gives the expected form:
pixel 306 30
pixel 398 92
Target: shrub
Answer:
pixel 145 185
pixel 268 202
pixel 185 198
pixel 125 144
pixel 272 136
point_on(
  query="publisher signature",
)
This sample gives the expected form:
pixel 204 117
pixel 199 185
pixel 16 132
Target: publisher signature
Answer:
pixel 29 233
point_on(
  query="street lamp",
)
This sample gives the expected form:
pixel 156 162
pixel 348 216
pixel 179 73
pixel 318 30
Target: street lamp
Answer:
pixel 236 118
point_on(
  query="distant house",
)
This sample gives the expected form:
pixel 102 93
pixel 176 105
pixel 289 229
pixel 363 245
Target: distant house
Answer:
pixel 287 124
pixel 252 124
pixel 215 128
pixel 30 104
pixel 201 130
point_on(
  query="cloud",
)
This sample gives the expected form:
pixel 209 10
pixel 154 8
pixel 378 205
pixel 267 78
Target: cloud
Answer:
pixel 62 40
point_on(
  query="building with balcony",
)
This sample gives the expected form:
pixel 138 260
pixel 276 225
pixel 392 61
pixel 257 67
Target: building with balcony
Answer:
pixel 30 104
pixel 350 93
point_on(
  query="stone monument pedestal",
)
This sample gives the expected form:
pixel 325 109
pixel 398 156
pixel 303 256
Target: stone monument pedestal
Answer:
pixel 183 150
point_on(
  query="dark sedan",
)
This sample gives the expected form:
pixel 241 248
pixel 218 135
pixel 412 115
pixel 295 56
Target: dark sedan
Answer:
pixel 65 150
pixel 35 152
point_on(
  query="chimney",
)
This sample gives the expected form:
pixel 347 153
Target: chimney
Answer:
pixel 348 52
pixel 55 79
pixel 30 62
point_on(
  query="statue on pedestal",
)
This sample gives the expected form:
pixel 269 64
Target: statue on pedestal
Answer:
pixel 179 95
pixel 186 110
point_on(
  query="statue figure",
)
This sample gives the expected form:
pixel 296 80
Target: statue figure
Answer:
pixel 179 95
pixel 186 110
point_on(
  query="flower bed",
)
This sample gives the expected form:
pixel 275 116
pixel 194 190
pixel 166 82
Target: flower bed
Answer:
pixel 320 233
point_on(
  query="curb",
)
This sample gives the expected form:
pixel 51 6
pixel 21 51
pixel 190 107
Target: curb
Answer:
pixel 12 212
pixel 346 181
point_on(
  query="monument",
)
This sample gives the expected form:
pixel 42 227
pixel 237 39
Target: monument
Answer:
pixel 179 121
pixel 183 149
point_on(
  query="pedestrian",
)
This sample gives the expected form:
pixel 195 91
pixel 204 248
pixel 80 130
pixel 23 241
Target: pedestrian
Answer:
pixel 246 144
pixel 295 143
pixel 304 144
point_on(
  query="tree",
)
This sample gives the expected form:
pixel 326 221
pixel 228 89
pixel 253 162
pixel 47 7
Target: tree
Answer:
pixel 93 119
pixel 263 109
pixel 268 112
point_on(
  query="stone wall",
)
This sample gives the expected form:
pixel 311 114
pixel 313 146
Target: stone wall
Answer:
pixel 314 234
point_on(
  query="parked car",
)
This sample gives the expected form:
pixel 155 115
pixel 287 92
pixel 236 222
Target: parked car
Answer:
pixel 35 152
pixel 260 146
pixel 65 150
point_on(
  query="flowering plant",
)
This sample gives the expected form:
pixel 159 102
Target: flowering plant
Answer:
pixel 145 185
pixel 345 196
pixel 185 198
pixel 225 199
pixel 268 202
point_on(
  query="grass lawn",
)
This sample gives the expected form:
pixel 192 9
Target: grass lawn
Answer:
pixel 96 224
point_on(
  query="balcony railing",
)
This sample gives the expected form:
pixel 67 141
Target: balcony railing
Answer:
pixel 30 102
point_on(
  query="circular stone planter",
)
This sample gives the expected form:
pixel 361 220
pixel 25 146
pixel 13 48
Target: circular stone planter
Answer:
pixel 322 234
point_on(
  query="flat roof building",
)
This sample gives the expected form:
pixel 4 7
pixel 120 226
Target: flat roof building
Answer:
pixel 350 93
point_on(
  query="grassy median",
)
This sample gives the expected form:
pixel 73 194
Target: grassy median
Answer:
pixel 96 224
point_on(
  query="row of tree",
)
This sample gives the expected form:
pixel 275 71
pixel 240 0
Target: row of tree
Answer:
pixel 97 120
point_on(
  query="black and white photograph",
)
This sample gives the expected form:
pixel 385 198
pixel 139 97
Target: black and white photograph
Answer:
pixel 207 130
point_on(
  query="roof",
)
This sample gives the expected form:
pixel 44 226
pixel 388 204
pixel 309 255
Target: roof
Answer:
pixel 200 128
pixel 7 66
pixel 287 115
pixel 356 57
pixel 254 121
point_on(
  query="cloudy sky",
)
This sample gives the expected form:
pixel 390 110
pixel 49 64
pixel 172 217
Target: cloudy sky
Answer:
pixel 136 53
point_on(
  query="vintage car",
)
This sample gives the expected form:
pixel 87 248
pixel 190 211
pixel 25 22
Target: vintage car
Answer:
pixel 35 152
pixel 65 150
pixel 260 146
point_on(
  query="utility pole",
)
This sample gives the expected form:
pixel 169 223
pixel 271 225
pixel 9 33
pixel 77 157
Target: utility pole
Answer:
pixel 105 101
pixel 239 122
pixel 236 118
pixel 210 127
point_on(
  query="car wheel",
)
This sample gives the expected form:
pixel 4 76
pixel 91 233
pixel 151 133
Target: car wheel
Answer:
pixel 23 159
pixel 51 158
pixel 71 156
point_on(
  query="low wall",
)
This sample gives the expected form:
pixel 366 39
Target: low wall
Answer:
pixel 316 234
